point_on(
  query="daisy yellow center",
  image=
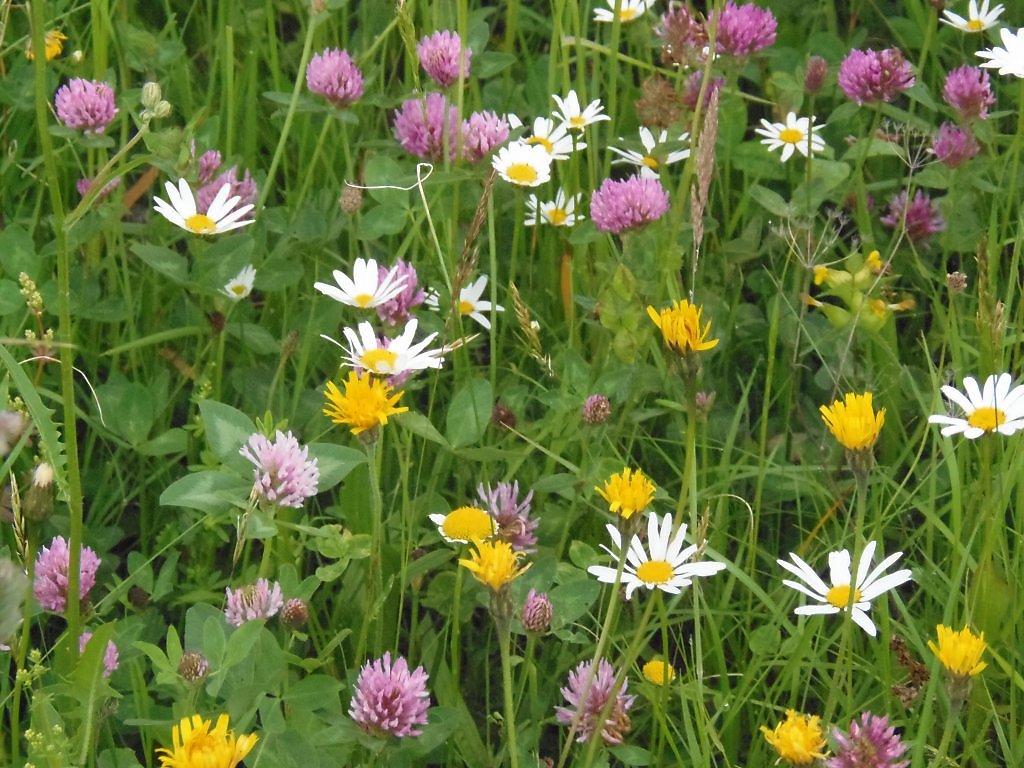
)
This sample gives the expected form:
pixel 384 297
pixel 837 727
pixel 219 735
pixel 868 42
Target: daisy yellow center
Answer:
pixel 839 596
pixel 201 224
pixel 379 360
pixel 577 121
pixel 363 300
pixel 557 216
pixel 975 25
pixel 521 173
pixel 467 524
pixel 238 289
pixel 791 135
pixel 650 162
pixel 960 652
pixel 543 142
pixel 987 418
pixel 628 14
pixel 655 572
pixel 465 307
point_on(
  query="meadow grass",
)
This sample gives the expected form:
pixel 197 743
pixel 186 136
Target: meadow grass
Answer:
pixel 322 611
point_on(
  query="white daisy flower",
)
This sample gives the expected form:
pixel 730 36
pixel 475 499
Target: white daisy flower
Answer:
pixel 575 118
pixel 791 135
pixel 870 584
pixel 554 137
pixel 651 159
pixel 977 20
pixel 471 304
pixel 523 164
pixel 1010 58
pixel 222 216
pixel 994 408
pixel 240 286
pixel 365 289
pixel 463 525
pixel 389 357
pixel 663 565
pixel 628 10
pixel 560 212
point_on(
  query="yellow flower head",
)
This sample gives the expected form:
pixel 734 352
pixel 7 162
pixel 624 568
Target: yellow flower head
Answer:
pixel 959 652
pixel 494 564
pixel 627 492
pixel 853 421
pixel 196 746
pixel 680 327
pixel 366 403
pixel 54 45
pixel 465 524
pixel 798 739
pixel 659 672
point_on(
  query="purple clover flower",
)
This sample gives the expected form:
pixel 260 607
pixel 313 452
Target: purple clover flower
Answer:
pixel 596 409
pixel 254 602
pixel 85 105
pixel 744 29
pixel 50 582
pixel 692 86
pixel 443 58
pixel 398 309
pixel 969 92
pixel 83 186
pixel 871 743
pixel 209 163
pixel 633 202
pixel 481 133
pixel 423 126
pixel 587 694
pixel 871 76
pixel 389 699
pixel 953 145
pixel 921 218
pixel 511 516
pixel 537 611
pixel 110 655
pixel 333 75
pixel 284 473
pixel 245 189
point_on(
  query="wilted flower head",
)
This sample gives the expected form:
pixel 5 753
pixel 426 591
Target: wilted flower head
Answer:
pixel 389 699
pixel 621 205
pixel 253 602
pixel 428 127
pixel 799 739
pixel 920 217
pixel 587 693
pixel 537 612
pixel 193 666
pixel 85 105
pixel 953 145
pixel 50 584
pixel 295 613
pixel 683 37
pixel 870 743
pixel 284 473
pixel 443 57
pixel 398 308
pixel 333 75
pixel 871 76
pixel 110 655
pixel 511 516
pixel 743 29
pixel 969 92
pixel 596 409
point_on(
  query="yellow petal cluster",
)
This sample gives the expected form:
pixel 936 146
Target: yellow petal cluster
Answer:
pixel 494 564
pixel 659 672
pixel 54 45
pixel 798 739
pixel 627 492
pixel 959 652
pixel 196 746
pixel 680 327
pixel 366 403
pixel 853 421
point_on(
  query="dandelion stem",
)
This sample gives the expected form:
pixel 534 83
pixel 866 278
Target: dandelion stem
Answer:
pixel 505 639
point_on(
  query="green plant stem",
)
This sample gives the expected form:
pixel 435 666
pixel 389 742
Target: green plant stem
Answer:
pixel 504 641
pixel 373 576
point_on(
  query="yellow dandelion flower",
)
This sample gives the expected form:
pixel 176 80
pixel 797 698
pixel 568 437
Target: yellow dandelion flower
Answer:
pixel 627 492
pixel 798 739
pixel 494 564
pixel 53 47
pixel 659 672
pixel 196 746
pixel 680 327
pixel 366 403
pixel 853 421
pixel 959 652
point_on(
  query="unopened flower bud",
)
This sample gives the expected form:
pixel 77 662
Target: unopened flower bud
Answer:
pixel 38 503
pixel 956 282
pixel 351 199
pixel 295 613
pixel 537 612
pixel 193 666
pixel 597 409
pixel 77 57
pixel 817 70
pixel 151 95
pixel 162 110
pixel 705 401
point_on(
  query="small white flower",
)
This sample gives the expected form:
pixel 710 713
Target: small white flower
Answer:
pixel 365 289
pixel 523 164
pixel 791 135
pixel 665 567
pixel 554 137
pixel 560 212
pixel 471 304
pixel 628 10
pixel 240 286
pixel 1010 58
pixel 575 118
pixel 836 598
pixel 222 216
pixel 390 357
pixel 994 408
pixel 977 20
pixel 651 160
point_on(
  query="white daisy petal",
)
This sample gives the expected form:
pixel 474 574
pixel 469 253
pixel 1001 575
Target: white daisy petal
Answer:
pixel 862 620
pixel 221 216
pixel 996 406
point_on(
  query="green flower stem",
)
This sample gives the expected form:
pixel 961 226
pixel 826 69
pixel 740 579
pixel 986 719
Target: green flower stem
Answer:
pixel 374 586
pixel 504 642
pixel 863 219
